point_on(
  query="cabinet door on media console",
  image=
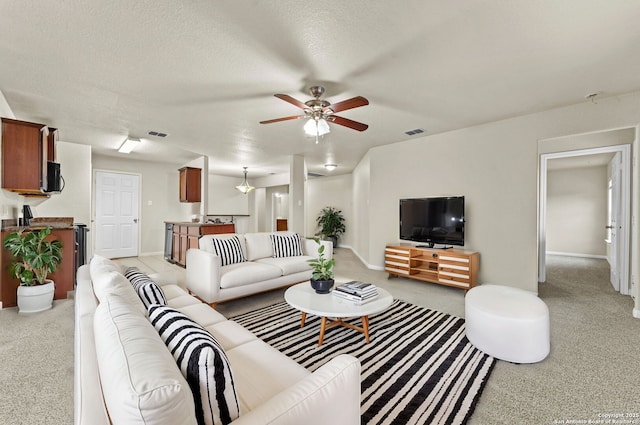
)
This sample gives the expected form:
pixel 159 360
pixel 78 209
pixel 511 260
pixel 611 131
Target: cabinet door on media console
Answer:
pixel 396 260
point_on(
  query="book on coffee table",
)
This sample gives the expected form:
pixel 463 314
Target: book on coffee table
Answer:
pixel 358 292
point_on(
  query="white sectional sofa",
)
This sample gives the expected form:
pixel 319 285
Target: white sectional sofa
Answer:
pixel 263 270
pixel 124 373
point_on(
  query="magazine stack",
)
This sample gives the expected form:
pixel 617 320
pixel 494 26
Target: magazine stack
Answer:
pixel 358 292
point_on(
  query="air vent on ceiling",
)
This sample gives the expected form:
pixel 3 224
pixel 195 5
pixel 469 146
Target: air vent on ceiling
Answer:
pixel 157 134
pixel 314 175
pixel 412 132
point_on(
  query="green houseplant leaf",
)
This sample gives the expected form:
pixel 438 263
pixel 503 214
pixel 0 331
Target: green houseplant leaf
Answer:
pixel 34 256
pixel 331 222
pixel 322 268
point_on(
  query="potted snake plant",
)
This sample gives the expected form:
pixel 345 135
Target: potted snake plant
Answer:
pixel 322 271
pixel 35 258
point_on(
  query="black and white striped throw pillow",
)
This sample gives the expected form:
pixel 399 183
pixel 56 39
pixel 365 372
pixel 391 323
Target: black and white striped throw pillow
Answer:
pixel 203 363
pixel 148 291
pixel 286 245
pixel 229 250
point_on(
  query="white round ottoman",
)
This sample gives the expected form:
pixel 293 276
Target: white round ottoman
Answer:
pixel 507 323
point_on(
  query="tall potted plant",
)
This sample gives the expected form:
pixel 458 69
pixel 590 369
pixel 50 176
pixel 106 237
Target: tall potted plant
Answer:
pixel 331 224
pixel 35 258
pixel 322 271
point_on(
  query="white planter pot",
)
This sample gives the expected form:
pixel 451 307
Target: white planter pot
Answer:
pixel 33 299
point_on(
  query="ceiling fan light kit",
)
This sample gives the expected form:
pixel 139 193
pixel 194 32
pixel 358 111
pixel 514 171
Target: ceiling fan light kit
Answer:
pixel 316 127
pixel 320 112
pixel 245 187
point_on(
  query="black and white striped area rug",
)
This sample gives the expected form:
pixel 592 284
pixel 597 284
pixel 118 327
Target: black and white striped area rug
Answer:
pixel 418 369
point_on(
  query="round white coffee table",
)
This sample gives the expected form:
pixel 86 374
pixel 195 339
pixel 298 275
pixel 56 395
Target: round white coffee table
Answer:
pixel 305 299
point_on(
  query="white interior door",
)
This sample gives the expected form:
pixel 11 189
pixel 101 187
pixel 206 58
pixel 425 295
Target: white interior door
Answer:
pixel 613 213
pixel 117 203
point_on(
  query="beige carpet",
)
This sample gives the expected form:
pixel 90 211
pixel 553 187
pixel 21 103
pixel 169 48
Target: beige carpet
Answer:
pixel 36 366
pixel 592 369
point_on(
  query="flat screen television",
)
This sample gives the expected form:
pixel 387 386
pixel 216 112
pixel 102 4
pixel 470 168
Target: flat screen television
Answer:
pixel 433 220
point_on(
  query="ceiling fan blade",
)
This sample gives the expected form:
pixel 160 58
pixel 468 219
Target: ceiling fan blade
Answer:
pixel 348 123
pixel 293 117
pixel 354 102
pixel 291 100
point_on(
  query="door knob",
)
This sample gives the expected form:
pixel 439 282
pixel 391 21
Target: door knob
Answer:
pixel 135 220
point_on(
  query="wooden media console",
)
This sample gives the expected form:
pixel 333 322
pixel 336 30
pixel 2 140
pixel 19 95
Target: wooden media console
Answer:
pixel 450 267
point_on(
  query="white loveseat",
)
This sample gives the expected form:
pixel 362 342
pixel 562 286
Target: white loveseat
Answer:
pixel 213 282
pixel 124 374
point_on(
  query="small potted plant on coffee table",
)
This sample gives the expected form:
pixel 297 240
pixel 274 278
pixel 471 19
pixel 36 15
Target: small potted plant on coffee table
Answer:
pixel 34 258
pixel 322 271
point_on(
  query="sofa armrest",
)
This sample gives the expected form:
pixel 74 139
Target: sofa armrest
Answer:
pixel 310 248
pixel 203 274
pixel 330 395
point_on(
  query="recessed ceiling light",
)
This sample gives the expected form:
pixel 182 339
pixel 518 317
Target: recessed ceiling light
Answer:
pixel 330 167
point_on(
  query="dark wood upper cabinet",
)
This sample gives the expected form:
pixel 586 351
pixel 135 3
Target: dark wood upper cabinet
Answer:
pixel 25 152
pixel 190 184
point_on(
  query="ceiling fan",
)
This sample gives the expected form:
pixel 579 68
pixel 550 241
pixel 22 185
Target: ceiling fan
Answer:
pixel 320 112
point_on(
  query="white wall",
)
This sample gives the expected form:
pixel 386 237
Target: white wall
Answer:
pixel 160 187
pixel 331 191
pixel 224 198
pixel 577 211
pixel 495 166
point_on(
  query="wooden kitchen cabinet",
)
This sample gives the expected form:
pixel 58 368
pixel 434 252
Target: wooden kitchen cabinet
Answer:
pixel 186 235
pixel 25 152
pixel 190 184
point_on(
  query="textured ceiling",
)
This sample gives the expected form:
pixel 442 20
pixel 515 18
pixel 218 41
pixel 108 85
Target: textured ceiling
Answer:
pixel 205 71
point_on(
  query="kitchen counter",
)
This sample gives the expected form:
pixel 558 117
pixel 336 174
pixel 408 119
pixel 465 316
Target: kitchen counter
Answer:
pixel 183 235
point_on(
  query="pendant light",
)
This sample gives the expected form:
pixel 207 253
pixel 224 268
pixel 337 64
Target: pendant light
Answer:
pixel 245 187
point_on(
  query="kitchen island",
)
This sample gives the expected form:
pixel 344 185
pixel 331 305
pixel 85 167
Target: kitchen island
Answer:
pixel 182 235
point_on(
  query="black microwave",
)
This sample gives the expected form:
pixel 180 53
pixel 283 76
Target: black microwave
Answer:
pixel 55 182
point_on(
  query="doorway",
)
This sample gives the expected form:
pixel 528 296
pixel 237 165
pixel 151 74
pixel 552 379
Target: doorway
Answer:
pixel 116 214
pixel 619 198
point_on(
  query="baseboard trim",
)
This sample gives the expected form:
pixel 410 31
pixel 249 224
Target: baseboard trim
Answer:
pixel 636 313
pixel 367 265
pixel 575 254
pixel 0 305
pixel 149 254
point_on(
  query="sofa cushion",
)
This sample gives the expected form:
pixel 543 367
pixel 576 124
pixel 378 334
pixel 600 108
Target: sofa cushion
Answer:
pixel 140 381
pixel 246 273
pixel 113 282
pixel 258 245
pixel 147 290
pixel 258 362
pixel 286 245
pixel 289 265
pixel 203 363
pixel 229 250
pixel 101 264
